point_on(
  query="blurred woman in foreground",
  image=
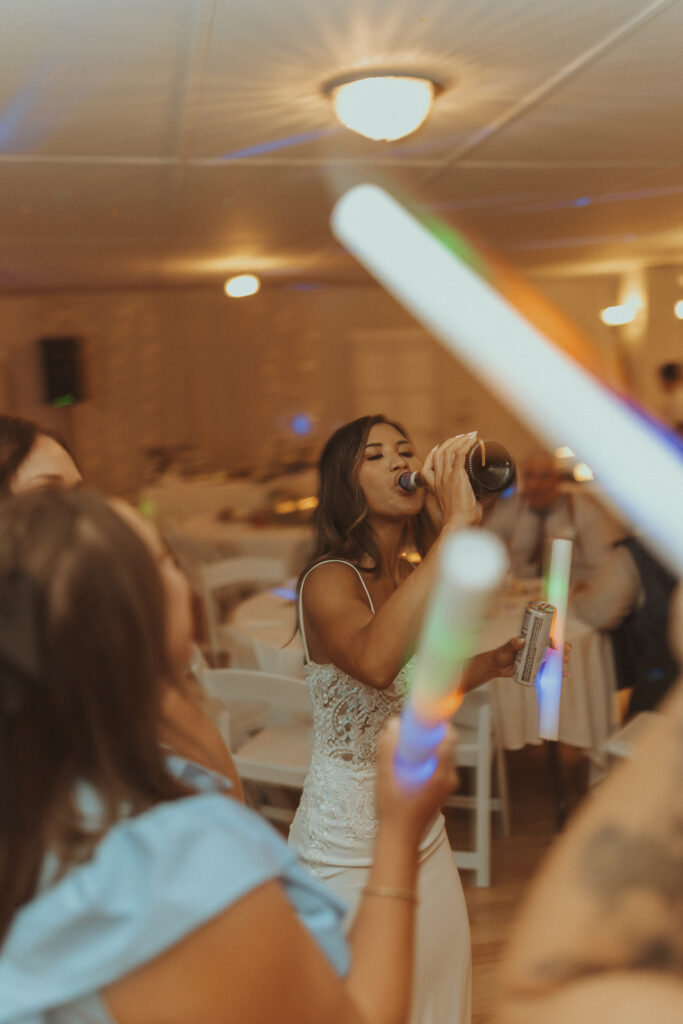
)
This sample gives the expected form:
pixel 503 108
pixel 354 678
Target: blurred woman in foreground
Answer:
pixel 131 889
pixel 35 459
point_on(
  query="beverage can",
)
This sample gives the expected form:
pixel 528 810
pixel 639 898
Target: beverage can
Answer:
pixel 536 625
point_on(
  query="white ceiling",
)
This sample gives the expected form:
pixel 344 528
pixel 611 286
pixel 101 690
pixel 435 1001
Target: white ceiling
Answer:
pixel 160 142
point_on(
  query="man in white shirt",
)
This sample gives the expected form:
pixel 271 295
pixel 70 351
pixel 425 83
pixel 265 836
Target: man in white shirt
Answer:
pixel 539 512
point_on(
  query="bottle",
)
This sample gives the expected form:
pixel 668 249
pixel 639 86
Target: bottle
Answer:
pixel 489 467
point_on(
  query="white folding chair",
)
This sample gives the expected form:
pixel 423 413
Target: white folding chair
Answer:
pixel 277 750
pixel 477 747
pixel 190 553
pixel 228 581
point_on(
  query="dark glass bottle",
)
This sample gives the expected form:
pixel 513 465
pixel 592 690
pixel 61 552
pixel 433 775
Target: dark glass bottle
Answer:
pixel 489 466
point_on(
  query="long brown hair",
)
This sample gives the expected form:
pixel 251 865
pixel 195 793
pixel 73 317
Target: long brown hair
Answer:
pixel 83 665
pixel 342 528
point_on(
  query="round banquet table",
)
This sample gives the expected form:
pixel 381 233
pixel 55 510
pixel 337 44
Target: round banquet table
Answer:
pixel 587 713
pixel 292 544
pixel 264 624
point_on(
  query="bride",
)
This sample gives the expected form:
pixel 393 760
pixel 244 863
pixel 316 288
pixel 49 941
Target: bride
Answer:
pixel 360 609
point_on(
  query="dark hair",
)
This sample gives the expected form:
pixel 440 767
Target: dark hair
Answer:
pixel 82 668
pixel 17 438
pixel 341 525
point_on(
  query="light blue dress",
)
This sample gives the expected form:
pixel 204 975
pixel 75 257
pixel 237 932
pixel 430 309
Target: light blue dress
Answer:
pixel 153 879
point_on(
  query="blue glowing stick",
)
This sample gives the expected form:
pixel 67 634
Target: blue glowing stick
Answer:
pixel 473 563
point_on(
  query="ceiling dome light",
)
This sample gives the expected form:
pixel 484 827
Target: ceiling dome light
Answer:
pixel 242 285
pixel 678 309
pixel 382 105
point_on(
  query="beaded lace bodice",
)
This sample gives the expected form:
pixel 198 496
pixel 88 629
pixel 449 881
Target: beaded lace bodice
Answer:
pixel 348 716
pixel 337 807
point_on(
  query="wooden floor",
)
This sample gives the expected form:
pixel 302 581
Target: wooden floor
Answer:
pixel 513 860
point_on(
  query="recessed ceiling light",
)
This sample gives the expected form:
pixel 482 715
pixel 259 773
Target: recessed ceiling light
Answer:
pixel 678 309
pixel 383 105
pixel 242 285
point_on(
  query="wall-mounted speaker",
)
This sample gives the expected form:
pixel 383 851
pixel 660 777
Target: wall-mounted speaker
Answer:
pixel 60 361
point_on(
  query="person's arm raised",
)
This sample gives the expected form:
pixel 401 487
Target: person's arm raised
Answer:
pixel 382 936
pixel 343 630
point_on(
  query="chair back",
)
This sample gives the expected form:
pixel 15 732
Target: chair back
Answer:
pixel 277 748
pixel 477 747
pixel 240 574
pixel 190 553
pixel 242 684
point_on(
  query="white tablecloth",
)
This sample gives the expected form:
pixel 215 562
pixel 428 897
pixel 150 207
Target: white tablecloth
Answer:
pixel 175 498
pixel 292 544
pixel 586 706
pixel 263 625
pixel 265 622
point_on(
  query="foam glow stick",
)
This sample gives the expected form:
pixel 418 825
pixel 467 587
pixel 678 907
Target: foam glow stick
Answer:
pixel 549 681
pixel 635 459
pixel 472 565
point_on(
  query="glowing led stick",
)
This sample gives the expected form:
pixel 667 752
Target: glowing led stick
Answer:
pixel 637 461
pixel 472 565
pixel 549 681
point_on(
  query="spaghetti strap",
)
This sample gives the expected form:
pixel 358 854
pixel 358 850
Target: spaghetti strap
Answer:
pixel 302 629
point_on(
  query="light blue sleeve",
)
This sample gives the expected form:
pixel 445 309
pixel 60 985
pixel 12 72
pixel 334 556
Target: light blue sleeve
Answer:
pixel 153 879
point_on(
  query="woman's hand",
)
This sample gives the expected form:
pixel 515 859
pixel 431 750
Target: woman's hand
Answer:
pixel 500 664
pixel 411 810
pixel 494 664
pixel 503 658
pixel 444 475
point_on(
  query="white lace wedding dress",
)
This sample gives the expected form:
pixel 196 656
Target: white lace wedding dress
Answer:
pixel 335 825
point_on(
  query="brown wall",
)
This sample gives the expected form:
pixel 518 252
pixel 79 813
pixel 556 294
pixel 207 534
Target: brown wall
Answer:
pixel 225 377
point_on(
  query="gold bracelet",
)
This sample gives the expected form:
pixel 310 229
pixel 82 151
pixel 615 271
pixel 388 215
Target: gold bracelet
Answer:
pixel 387 890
